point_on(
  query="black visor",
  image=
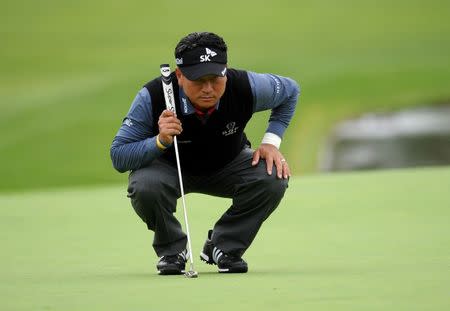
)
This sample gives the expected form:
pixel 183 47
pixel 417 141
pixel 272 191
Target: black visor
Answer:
pixel 202 61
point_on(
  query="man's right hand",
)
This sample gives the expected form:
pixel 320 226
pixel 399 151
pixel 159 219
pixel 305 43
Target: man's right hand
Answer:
pixel 169 126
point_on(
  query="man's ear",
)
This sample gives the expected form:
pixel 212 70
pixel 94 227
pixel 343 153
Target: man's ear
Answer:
pixel 180 76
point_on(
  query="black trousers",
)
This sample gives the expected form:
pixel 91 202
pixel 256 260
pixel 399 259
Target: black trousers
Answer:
pixel 154 191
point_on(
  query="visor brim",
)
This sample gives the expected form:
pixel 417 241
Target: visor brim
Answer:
pixel 195 72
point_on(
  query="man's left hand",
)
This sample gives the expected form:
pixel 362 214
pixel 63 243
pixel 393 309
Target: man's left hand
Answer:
pixel 272 156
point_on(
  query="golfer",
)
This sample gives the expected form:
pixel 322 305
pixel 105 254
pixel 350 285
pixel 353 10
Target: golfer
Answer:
pixel 213 106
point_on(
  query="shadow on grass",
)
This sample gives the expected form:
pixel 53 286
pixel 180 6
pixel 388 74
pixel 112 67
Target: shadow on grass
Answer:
pixel 123 275
pixel 213 274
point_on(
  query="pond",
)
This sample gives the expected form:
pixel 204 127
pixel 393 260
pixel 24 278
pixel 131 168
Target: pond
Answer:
pixel 407 138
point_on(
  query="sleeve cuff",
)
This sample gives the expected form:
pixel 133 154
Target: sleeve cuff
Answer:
pixel 154 149
pixel 270 138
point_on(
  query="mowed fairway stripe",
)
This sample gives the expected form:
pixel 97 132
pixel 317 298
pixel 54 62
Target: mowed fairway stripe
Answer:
pixel 356 241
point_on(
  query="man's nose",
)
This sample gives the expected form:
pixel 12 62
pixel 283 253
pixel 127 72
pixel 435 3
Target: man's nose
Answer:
pixel 207 86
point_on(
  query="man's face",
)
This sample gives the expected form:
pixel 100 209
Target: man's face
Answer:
pixel 205 92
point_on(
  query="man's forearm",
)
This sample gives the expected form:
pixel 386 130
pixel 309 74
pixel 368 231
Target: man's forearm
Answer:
pixel 280 94
pixel 128 156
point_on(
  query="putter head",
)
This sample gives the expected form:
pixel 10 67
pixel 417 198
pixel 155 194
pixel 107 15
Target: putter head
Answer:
pixel 191 274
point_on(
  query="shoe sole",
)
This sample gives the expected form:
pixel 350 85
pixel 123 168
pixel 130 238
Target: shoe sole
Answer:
pixel 171 272
pixel 205 258
pixel 234 270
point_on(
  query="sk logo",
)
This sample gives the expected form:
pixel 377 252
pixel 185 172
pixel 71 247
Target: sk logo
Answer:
pixel 207 57
pixel 128 122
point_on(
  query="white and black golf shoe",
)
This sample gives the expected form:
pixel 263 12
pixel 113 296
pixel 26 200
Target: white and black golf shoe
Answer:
pixel 227 263
pixel 172 264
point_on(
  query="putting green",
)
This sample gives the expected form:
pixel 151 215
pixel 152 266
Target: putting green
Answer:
pixel 360 241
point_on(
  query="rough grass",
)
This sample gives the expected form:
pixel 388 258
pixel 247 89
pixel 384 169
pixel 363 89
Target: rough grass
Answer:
pixel 362 241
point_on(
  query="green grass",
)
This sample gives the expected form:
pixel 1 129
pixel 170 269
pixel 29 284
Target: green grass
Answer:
pixel 363 241
pixel 360 241
pixel 69 71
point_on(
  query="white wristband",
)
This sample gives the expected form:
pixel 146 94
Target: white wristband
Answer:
pixel 270 138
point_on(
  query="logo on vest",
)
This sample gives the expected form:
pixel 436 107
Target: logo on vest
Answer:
pixel 207 57
pixel 231 129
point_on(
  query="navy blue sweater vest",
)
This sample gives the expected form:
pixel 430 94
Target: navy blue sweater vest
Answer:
pixel 206 146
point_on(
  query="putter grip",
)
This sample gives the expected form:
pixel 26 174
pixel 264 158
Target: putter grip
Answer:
pixel 165 73
pixel 167 87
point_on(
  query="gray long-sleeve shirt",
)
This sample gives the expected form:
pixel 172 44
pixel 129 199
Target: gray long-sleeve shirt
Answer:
pixel 134 146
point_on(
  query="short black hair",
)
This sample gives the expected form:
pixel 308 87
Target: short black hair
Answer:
pixel 195 39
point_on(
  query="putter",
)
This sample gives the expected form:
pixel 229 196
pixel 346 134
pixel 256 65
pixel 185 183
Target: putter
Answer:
pixel 170 105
